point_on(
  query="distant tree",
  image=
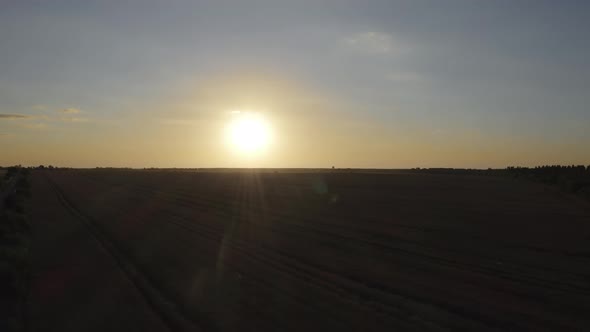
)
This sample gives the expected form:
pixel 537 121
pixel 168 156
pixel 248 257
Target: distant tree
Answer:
pixel 11 171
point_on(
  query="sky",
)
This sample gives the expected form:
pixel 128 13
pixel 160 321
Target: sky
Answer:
pixel 367 84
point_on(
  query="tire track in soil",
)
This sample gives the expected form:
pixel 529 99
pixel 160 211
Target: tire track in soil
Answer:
pixel 164 308
pixel 515 274
pixel 295 270
pixel 397 304
pixel 326 281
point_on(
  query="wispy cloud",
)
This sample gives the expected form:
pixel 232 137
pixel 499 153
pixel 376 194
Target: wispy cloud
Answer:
pixel 371 42
pixel 36 126
pixel 14 116
pixel 74 119
pixel 70 111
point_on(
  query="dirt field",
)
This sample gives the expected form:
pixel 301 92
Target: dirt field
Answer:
pixel 244 251
pixel 75 284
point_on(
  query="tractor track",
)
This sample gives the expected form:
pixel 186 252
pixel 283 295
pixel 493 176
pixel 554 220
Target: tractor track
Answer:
pixel 158 302
pixel 395 302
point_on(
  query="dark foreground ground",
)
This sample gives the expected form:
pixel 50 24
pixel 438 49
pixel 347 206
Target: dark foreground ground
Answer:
pixel 125 250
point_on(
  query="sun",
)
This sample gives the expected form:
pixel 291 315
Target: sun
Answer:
pixel 249 133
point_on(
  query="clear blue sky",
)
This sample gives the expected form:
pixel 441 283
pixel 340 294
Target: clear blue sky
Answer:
pixel 346 83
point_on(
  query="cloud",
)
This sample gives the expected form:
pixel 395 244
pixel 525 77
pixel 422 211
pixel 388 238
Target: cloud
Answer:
pixel 70 111
pixel 371 42
pixel 14 116
pixel 74 119
pixel 35 126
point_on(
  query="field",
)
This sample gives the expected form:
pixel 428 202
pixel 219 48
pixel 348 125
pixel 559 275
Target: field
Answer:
pixel 321 251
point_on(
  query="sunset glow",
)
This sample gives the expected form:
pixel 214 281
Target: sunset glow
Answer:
pixel 199 84
pixel 249 134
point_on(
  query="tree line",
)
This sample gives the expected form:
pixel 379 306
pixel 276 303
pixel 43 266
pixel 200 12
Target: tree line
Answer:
pixel 572 178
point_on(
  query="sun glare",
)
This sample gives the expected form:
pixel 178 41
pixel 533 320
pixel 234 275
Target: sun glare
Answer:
pixel 249 133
